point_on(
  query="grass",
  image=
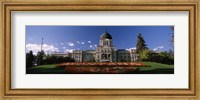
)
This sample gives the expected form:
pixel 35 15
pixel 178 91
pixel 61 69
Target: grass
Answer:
pixel 45 69
pixel 155 68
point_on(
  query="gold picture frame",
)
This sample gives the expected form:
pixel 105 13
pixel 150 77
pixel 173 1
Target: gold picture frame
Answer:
pixel 101 5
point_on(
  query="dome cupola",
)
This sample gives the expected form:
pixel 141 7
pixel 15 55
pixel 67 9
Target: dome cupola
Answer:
pixel 106 35
pixel 106 40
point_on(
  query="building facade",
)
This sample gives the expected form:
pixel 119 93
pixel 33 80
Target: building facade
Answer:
pixel 105 52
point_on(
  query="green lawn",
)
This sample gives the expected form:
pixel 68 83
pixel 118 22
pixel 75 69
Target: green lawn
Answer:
pixel 45 69
pixel 155 68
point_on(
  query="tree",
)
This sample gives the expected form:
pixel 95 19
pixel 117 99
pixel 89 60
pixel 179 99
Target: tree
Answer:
pixel 90 58
pixel 141 44
pixel 51 59
pixel 57 59
pixel 171 54
pixel 40 58
pixel 30 59
pixel 163 57
pixel 172 36
pixel 69 59
pixel 144 55
pixel 147 55
pixel 166 57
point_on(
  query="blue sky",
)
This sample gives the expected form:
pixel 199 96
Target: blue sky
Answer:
pixel 68 38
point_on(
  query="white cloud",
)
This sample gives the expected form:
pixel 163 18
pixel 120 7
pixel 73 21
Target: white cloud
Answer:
pixel 131 48
pixel 91 46
pixel 82 42
pixel 61 43
pixel 70 44
pixel 89 41
pixel 64 47
pixel 69 50
pixel 157 48
pixel 35 48
pixel 78 42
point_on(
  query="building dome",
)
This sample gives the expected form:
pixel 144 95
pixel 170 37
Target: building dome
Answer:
pixel 106 35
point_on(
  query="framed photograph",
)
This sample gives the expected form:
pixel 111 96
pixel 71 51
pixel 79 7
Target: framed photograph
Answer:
pixel 99 48
pixel 89 50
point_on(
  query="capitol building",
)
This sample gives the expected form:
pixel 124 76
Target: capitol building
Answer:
pixel 105 52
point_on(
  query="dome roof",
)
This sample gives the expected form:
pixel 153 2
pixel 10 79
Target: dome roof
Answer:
pixel 106 35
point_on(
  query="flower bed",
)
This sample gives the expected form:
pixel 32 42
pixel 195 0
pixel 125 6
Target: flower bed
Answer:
pixel 101 67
